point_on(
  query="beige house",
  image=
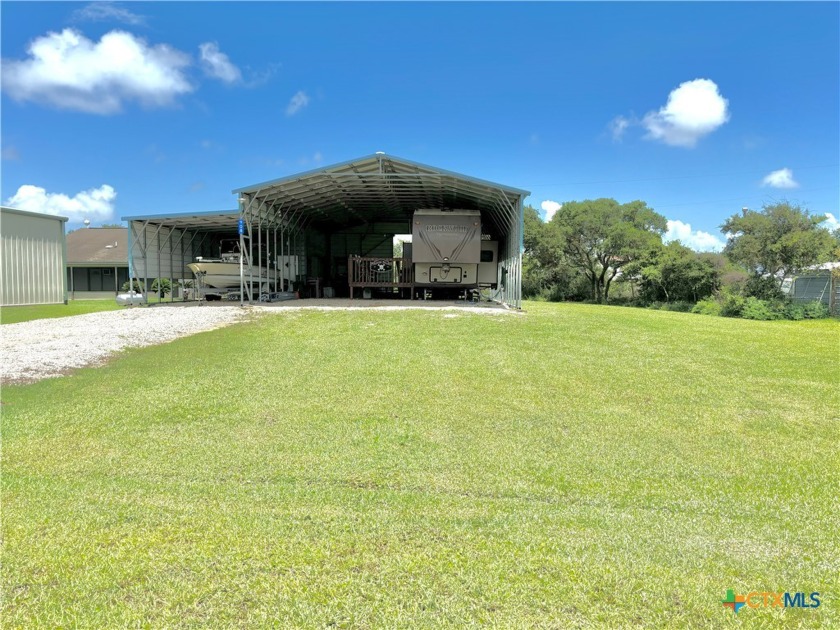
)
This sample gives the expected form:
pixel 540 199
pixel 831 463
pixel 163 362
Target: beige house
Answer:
pixel 97 262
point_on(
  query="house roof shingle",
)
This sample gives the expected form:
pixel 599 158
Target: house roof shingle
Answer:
pixel 105 246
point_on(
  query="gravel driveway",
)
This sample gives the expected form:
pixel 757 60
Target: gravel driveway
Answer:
pixel 30 351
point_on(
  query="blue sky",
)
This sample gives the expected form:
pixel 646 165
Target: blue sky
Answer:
pixel 699 109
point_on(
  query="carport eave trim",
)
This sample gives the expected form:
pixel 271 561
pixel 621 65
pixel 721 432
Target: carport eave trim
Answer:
pixel 181 215
pixel 326 170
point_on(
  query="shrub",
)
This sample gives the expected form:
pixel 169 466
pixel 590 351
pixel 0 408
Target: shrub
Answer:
pixel 759 309
pixel 762 287
pixel 162 286
pixel 134 285
pixel 679 306
pixel 815 310
pixel 707 306
pixel 794 311
pixel 731 305
pixel 549 294
pixel 676 307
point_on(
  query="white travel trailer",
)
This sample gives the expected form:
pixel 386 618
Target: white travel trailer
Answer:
pixel 448 250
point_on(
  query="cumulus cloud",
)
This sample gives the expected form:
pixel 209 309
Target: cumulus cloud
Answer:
pixel 694 109
pixel 783 178
pixel 550 207
pixel 216 64
pixel 831 222
pixel 107 12
pixel 94 204
pixel 695 239
pixel 298 102
pixel 69 71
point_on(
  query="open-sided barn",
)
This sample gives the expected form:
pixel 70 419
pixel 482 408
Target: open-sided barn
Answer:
pixel 333 227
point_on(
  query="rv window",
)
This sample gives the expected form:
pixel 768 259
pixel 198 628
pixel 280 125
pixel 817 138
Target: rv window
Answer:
pixel 486 255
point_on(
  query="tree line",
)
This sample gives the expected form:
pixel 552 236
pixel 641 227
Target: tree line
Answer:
pixel 591 249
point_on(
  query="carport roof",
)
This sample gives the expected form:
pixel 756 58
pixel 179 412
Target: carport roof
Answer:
pixel 374 188
pixel 213 221
pixel 382 187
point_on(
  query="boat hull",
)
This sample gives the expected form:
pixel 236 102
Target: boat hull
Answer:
pixel 225 275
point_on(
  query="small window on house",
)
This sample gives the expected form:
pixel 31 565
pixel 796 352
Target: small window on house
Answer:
pixel 106 272
pixel 486 255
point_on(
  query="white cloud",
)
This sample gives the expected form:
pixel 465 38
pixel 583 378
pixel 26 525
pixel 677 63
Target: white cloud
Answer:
pixel 107 11
pixel 694 109
pixel 831 222
pixel 298 102
pixel 69 71
pixel 551 208
pixel 94 204
pixel 783 178
pixel 695 239
pixel 217 64
pixel 618 126
pixel 317 158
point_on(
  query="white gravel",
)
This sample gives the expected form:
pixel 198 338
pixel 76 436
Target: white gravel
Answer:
pixel 31 351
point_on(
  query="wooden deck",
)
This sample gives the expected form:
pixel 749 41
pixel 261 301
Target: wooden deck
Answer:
pixel 394 273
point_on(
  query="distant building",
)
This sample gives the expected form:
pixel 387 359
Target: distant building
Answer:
pixel 32 258
pixel 97 262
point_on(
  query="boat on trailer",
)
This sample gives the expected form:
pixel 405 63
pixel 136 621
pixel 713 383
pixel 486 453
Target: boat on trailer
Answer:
pixel 223 272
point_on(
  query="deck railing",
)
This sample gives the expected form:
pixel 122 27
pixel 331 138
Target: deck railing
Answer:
pixel 368 272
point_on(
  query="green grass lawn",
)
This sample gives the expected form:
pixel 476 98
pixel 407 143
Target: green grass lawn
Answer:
pixel 575 466
pixel 16 314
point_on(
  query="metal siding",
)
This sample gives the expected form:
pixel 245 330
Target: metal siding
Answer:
pixel 177 248
pixel 32 267
pixel 812 288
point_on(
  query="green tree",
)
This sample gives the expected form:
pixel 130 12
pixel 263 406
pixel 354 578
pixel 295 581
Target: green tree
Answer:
pixel 599 237
pixel 534 229
pixel 545 269
pixel 779 240
pixel 675 273
pixel 537 269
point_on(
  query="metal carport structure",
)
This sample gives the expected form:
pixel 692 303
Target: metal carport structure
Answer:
pixel 161 245
pixel 300 218
pixel 382 189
